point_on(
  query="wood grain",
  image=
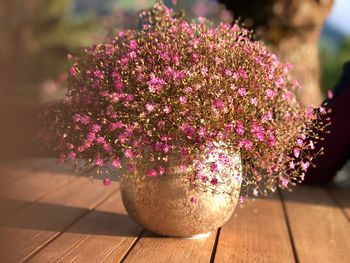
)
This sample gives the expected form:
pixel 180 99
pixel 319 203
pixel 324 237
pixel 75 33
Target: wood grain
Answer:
pixel 29 187
pixel 153 248
pixel 29 229
pixel 104 235
pixel 256 233
pixel 341 193
pixel 320 230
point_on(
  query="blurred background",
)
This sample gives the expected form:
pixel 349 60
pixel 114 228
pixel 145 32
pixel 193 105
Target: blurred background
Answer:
pixel 37 35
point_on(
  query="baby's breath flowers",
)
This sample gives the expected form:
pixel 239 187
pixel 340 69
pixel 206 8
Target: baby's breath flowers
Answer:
pixel 173 88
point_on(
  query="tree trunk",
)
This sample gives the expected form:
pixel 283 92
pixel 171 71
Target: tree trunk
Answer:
pixel 292 30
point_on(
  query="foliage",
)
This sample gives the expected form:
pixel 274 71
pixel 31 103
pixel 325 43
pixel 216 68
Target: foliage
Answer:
pixel 36 36
pixel 174 88
pixel 332 61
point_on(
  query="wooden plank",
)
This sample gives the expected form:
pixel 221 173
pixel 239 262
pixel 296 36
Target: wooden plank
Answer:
pixel 320 230
pixel 104 235
pixel 11 171
pixel 256 233
pixel 29 229
pixel 152 248
pixel 31 187
pixel 341 193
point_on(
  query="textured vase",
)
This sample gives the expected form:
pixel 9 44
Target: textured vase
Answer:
pixel 163 204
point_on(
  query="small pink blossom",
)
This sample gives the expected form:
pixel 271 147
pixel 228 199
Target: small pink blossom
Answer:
pixel 284 182
pixel 291 165
pixel 116 163
pixel 242 199
pixel 242 92
pixel 270 93
pixel 193 200
pixel 214 167
pixel 309 113
pixel 218 104
pixel 183 100
pixel 128 153
pixel 152 173
pixel 167 109
pixel 72 155
pixel 330 94
pixel 107 181
pixel 214 181
pixel 228 72
pixel 296 152
pixel 98 161
pixel 133 44
pixel 305 165
pixel 73 71
pixel 161 170
pixel 254 101
pixel 240 128
pixel 149 107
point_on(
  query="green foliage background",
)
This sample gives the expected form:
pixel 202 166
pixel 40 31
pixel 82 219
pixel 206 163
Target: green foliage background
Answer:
pixel 332 60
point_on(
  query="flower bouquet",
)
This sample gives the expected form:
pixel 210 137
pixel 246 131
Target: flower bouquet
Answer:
pixel 187 113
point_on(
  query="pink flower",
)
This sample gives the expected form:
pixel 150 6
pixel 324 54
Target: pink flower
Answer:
pixel 228 72
pixel 242 92
pixel 100 140
pixel 165 148
pixel 193 200
pixel 239 128
pixel 187 129
pixel 284 182
pixel 258 131
pixel 149 107
pixel 330 94
pixel 72 155
pixel 116 163
pixel 305 165
pixel 254 101
pixel 246 144
pixel 267 117
pixel 107 148
pixel 107 181
pixel 296 152
pixel 167 109
pixel 161 170
pixel 133 44
pixel 202 131
pixel 128 153
pixel 309 113
pixel 73 71
pixel 155 84
pixel 214 181
pixel 270 93
pixel 183 100
pixel 151 173
pixel 214 167
pixel 291 165
pixel 242 199
pixel 99 74
pixel 300 142
pixel 98 161
pixel 218 104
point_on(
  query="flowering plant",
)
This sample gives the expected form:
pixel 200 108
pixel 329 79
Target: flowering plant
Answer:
pixel 173 88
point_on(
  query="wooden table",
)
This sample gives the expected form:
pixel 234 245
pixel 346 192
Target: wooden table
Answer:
pixel 48 215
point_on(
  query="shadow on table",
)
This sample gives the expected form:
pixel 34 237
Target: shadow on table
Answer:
pixel 56 218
